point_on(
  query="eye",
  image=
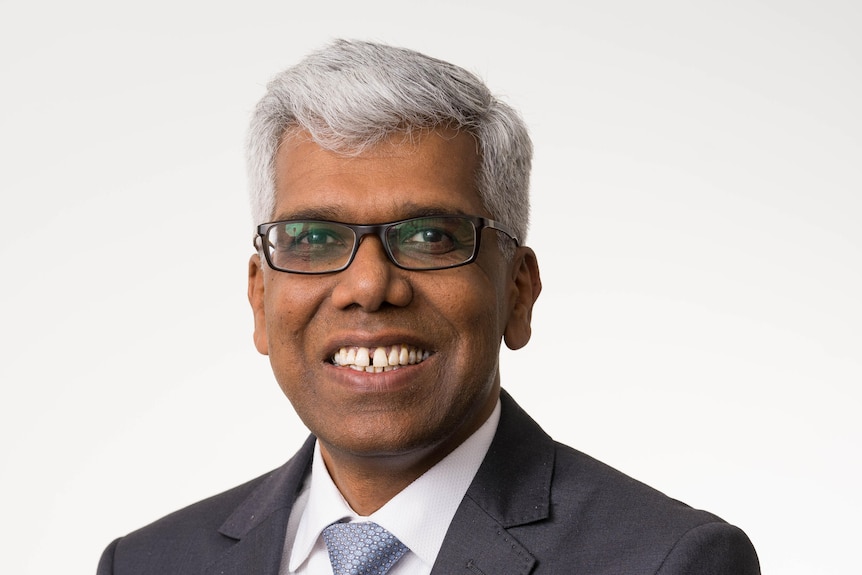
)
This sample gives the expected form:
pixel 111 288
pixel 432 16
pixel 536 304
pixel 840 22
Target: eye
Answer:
pixel 428 236
pixel 316 236
pixel 311 236
pixel 431 236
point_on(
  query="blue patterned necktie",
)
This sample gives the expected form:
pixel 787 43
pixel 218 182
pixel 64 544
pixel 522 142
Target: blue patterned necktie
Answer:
pixel 361 548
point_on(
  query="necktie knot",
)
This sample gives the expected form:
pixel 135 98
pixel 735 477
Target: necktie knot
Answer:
pixel 361 548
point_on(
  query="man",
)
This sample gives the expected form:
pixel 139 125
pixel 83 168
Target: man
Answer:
pixel 391 191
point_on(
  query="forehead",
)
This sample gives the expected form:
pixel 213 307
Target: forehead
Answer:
pixel 406 175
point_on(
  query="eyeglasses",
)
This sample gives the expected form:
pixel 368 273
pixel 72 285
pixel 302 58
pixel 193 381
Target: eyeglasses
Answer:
pixel 426 243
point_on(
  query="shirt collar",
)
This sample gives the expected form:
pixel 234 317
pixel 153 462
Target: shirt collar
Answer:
pixel 434 497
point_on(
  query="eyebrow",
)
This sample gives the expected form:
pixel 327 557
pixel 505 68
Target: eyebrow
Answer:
pixel 315 213
pixel 336 213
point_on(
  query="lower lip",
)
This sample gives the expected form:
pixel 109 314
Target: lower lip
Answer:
pixel 369 382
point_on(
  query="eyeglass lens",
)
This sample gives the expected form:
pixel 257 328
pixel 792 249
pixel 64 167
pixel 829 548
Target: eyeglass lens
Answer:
pixel 419 243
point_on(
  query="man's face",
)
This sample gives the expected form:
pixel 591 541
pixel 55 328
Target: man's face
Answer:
pixel 456 317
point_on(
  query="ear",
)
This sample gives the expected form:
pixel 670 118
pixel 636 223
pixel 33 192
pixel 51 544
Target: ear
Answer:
pixel 526 286
pixel 256 299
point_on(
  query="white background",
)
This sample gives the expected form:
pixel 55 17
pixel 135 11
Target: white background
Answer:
pixel 697 200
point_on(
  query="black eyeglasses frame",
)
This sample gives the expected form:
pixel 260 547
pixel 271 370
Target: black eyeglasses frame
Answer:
pixel 361 230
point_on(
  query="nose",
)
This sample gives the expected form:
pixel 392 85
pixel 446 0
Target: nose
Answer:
pixel 371 281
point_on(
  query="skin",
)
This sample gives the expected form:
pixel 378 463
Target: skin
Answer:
pixel 379 432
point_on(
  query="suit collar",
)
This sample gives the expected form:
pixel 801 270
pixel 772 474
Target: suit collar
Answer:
pixel 513 485
pixel 511 488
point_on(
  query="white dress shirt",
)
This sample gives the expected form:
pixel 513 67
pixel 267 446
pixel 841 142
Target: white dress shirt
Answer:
pixel 418 516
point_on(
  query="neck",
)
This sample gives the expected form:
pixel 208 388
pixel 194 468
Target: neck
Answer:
pixel 368 482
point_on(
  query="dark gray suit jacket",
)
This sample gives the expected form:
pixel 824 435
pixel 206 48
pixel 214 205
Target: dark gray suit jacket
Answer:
pixel 535 507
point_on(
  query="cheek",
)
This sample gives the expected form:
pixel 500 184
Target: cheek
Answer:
pixel 281 329
pixel 483 303
pixel 477 313
pixel 291 365
pixel 290 308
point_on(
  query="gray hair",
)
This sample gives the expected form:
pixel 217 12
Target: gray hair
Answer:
pixel 352 95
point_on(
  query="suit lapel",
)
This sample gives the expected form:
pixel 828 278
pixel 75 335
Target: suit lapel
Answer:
pixel 259 523
pixel 258 551
pixel 478 544
pixel 511 488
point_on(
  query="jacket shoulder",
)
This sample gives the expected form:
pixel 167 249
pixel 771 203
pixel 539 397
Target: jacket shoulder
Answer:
pixel 573 513
pixel 179 542
pixel 621 525
pixel 188 539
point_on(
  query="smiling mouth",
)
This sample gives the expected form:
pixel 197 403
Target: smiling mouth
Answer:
pixel 379 359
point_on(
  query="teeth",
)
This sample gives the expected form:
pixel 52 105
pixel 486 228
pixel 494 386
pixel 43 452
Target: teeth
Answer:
pixel 394 355
pixel 378 359
pixel 362 359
